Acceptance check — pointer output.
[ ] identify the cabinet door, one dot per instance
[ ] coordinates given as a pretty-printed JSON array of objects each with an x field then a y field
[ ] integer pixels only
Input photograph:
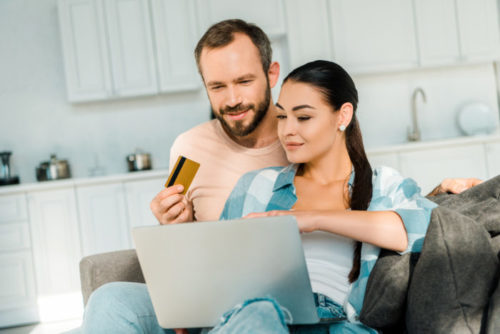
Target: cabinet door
[
  {"x": 56, "y": 241},
  {"x": 139, "y": 196},
  {"x": 267, "y": 14},
  {"x": 131, "y": 47},
  {"x": 384, "y": 159},
  {"x": 437, "y": 31},
  {"x": 17, "y": 289},
  {"x": 479, "y": 32},
  {"x": 429, "y": 167},
  {"x": 13, "y": 208},
  {"x": 308, "y": 31},
  {"x": 370, "y": 36},
  {"x": 103, "y": 218},
  {"x": 176, "y": 35},
  {"x": 84, "y": 49},
  {"x": 493, "y": 158}
]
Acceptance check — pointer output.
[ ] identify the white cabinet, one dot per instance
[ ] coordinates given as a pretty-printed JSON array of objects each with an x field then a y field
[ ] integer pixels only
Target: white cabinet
[
  {"x": 437, "y": 32},
  {"x": 102, "y": 218},
  {"x": 86, "y": 58},
  {"x": 139, "y": 196},
  {"x": 308, "y": 31},
  {"x": 493, "y": 158},
  {"x": 267, "y": 14},
  {"x": 131, "y": 47},
  {"x": 384, "y": 159},
  {"x": 56, "y": 240},
  {"x": 18, "y": 302},
  {"x": 107, "y": 48},
  {"x": 370, "y": 36},
  {"x": 176, "y": 35},
  {"x": 430, "y": 166},
  {"x": 479, "y": 30}
]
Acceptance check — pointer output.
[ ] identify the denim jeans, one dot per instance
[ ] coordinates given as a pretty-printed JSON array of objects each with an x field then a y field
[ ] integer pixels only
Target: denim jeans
[{"x": 124, "y": 307}]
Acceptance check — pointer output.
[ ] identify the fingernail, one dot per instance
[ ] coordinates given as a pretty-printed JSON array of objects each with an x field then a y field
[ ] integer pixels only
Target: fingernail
[{"x": 180, "y": 187}]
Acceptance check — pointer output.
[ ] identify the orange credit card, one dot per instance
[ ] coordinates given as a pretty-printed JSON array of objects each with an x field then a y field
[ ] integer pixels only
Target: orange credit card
[{"x": 183, "y": 173}]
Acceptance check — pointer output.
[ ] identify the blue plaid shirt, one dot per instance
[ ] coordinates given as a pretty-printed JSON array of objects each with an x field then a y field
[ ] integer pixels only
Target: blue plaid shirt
[{"x": 273, "y": 189}]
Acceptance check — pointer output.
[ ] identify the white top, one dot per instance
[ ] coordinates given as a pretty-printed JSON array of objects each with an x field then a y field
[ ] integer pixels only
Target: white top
[{"x": 329, "y": 261}]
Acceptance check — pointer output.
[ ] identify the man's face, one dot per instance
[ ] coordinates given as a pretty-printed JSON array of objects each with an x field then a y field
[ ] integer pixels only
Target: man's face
[{"x": 237, "y": 87}]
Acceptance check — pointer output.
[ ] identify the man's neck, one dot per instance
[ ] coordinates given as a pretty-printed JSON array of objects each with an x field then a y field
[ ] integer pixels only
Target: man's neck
[{"x": 264, "y": 135}]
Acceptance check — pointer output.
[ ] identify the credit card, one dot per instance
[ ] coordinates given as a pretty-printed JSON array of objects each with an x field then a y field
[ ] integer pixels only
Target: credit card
[{"x": 183, "y": 173}]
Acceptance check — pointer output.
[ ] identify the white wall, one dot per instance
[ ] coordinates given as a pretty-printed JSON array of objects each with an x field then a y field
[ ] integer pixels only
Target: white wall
[{"x": 385, "y": 101}]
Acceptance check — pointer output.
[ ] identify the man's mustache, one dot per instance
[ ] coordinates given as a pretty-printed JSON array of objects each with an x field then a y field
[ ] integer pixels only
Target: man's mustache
[{"x": 237, "y": 108}]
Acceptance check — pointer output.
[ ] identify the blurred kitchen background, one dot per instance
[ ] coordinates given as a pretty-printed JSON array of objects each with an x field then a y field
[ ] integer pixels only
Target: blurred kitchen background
[{"x": 92, "y": 81}]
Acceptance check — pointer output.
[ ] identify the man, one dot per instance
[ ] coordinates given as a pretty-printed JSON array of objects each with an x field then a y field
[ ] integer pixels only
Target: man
[{"x": 234, "y": 60}]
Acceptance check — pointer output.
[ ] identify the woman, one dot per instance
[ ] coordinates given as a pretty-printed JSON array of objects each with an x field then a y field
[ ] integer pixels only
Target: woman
[{"x": 318, "y": 128}]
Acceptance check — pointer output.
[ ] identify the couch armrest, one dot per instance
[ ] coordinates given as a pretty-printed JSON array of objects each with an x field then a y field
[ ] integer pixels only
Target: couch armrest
[{"x": 99, "y": 269}]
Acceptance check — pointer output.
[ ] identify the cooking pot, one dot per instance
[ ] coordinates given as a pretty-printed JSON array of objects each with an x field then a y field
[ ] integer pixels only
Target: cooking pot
[
  {"x": 138, "y": 161},
  {"x": 53, "y": 169}
]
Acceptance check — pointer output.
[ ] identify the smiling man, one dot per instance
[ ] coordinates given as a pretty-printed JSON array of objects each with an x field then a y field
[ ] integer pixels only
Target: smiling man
[{"x": 234, "y": 59}]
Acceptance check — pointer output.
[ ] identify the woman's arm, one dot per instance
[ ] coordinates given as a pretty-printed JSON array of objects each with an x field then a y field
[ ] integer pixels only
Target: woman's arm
[{"x": 384, "y": 229}]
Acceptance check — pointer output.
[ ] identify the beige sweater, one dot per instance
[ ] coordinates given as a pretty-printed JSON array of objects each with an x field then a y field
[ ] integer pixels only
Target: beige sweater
[{"x": 222, "y": 163}]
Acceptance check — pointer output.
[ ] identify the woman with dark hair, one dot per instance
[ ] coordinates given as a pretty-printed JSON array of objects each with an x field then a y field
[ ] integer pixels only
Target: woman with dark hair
[{"x": 345, "y": 210}]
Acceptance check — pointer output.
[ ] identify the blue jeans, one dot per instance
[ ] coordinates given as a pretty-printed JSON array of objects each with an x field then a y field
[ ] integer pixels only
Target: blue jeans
[{"x": 124, "y": 307}]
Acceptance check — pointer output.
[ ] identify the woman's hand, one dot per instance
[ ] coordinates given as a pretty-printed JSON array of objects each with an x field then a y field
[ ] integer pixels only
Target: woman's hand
[{"x": 304, "y": 220}]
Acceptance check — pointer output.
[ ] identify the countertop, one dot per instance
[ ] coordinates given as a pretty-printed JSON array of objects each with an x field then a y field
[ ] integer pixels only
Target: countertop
[
  {"x": 144, "y": 175},
  {"x": 65, "y": 183}
]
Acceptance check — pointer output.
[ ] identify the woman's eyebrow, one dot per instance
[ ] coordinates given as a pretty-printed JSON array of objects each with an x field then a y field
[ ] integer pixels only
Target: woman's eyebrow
[{"x": 302, "y": 106}]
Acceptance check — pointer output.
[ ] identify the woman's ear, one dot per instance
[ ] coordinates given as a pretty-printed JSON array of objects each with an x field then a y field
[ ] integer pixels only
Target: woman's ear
[
  {"x": 273, "y": 73},
  {"x": 345, "y": 114}
]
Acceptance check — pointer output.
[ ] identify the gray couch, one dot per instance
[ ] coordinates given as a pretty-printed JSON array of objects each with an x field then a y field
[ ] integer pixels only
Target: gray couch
[{"x": 459, "y": 267}]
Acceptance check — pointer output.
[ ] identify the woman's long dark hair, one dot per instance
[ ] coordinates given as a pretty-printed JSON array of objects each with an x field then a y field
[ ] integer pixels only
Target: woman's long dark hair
[{"x": 338, "y": 88}]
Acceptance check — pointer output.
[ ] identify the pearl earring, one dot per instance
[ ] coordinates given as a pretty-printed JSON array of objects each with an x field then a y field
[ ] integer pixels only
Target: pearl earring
[{"x": 342, "y": 127}]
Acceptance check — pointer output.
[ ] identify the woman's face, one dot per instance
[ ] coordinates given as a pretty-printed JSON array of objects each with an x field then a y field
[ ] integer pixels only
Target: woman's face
[{"x": 307, "y": 125}]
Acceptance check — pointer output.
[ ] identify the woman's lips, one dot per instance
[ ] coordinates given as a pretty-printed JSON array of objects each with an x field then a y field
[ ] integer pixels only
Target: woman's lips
[
  {"x": 237, "y": 116},
  {"x": 293, "y": 146}
]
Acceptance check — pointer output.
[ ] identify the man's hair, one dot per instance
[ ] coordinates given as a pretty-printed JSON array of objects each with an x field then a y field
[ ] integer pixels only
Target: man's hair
[{"x": 222, "y": 33}]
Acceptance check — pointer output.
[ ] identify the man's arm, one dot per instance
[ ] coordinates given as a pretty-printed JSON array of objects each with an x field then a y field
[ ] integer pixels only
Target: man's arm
[{"x": 454, "y": 186}]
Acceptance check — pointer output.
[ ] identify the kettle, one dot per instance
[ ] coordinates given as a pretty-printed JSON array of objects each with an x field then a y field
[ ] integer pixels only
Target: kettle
[
  {"x": 5, "y": 178},
  {"x": 53, "y": 169}
]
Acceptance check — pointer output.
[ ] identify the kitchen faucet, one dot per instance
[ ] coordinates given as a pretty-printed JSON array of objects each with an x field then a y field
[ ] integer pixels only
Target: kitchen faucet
[{"x": 414, "y": 131}]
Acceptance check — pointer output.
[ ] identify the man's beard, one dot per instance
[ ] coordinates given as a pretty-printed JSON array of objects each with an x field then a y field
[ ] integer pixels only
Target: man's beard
[{"x": 238, "y": 129}]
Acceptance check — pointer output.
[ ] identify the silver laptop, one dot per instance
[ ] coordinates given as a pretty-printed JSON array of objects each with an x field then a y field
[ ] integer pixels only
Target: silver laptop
[{"x": 196, "y": 272}]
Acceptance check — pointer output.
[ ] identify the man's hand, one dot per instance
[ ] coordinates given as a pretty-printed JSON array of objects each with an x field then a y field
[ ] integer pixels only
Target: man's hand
[
  {"x": 455, "y": 186},
  {"x": 171, "y": 207}
]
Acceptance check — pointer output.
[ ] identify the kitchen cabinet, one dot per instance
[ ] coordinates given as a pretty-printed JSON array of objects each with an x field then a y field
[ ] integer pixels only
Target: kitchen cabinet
[
  {"x": 131, "y": 47},
  {"x": 56, "y": 250},
  {"x": 18, "y": 302},
  {"x": 176, "y": 35},
  {"x": 479, "y": 30},
  {"x": 267, "y": 14},
  {"x": 123, "y": 48},
  {"x": 429, "y": 167},
  {"x": 493, "y": 158},
  {"x": 384, "y": 159},
  {"x": 85, "y": 51},
  {"x": 139, "y": 196},
  {"x": 457, "y": 31},
  {"x": 102, "y": 218},
  {"x": 308, "y": 31},
  {"x": 437, "y": 33},
  {"x": 371, "y": 36},
  {"x": 107, "y": 48}
]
